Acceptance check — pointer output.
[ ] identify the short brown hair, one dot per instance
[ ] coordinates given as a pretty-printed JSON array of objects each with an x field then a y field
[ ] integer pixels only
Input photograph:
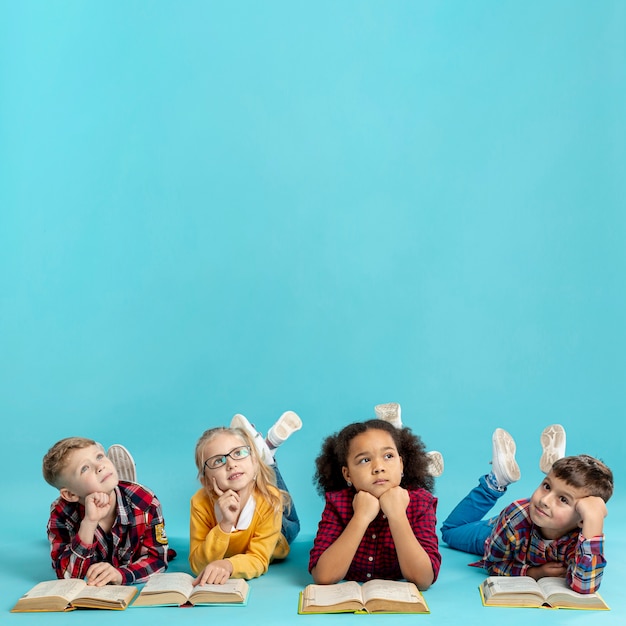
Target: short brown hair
[
  {"x": 55, "y": 460},
  {"x": 585, "y": 472}
]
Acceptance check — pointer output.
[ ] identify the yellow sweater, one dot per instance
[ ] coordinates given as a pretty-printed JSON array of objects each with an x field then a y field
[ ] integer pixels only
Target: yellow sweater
[{"x": 250, "y": 551}]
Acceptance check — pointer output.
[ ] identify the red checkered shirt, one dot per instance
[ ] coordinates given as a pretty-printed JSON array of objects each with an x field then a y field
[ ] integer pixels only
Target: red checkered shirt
[
  {"x": 376, "y": 555},
  {"x": 136, "y": 545}
]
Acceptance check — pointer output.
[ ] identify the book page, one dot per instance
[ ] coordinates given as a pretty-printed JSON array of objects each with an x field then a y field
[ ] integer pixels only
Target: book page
[
  {"x": 329, "y": 595},
  {"x": 109, "y": 593},
  {"x": 552, "y": 585},
  {"x": 64, "y": 588},
  {"x": 232, "y": 585},
  {"x": 512, "y": 584},
  {"x": 174, "y": 581},
  {"x": 394, "y": 591}
]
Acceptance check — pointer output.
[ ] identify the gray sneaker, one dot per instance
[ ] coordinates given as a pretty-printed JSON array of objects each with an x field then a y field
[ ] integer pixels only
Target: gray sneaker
[
  {"x": 435, "y": 463},
  {"x": 389, "y": 412},
  {"x": 124, "y": 463}
]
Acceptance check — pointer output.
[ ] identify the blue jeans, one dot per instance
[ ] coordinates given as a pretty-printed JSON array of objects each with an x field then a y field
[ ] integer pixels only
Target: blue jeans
[
  {"x": 291, "y": 523},
  {"x": 465, "y": 529}
]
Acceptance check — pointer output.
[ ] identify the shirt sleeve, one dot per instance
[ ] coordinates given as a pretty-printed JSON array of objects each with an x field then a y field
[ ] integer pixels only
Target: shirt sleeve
[
  {"x": 584, "y": 575},
  {"x": 505, "y": 544},
  {"x": 330, "y": 527},
  {"x": 207, "y": 542},
  {"x": 150, "y": 546},
  {"x": 423, "y": 521},
  {"x": 70, "y": 557}
]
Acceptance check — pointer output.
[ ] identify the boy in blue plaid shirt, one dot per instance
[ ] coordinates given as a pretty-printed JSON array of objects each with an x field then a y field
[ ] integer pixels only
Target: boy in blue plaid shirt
[{"x": 558, "y": 531}]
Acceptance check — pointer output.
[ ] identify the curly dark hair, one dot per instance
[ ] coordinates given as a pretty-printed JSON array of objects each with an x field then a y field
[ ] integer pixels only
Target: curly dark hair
[{"x": 334, "y": 454}]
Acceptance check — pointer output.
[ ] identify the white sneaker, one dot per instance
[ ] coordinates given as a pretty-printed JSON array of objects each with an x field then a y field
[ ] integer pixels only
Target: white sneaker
[
  {"x": 504, "y": 467},
  {"x": 553, "y": 446},
  {"x": 287, "y": 424},
  {"x": 389, "y": 412},
  {"x": 263, "y": 450},
  {"x": 435, "y": 463},
  {"x": 124, "y": 463}
]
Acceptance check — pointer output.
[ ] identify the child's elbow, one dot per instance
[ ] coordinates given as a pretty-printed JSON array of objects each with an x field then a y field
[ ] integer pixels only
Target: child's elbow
[
  {"x": 422, "y": 580},
  {"x": 321, "y": 578}
]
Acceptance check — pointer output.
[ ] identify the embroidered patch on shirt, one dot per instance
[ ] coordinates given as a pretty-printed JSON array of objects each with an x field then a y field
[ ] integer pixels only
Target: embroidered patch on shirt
[{"x": 159, "y": 534}]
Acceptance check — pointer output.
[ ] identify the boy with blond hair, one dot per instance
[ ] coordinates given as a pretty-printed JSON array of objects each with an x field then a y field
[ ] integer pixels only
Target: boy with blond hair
[{"x": 101, "y": 528}]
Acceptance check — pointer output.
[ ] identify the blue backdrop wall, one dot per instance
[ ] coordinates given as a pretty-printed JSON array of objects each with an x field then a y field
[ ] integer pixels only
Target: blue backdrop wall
[{"x": 210, "y": 208}]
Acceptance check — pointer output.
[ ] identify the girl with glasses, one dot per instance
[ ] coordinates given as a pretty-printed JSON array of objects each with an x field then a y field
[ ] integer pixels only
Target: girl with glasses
[{"x": 242, "y": 518}]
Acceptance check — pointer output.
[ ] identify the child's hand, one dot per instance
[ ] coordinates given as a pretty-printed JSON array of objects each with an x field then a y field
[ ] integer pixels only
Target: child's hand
[
  {"x": 97, "y": 506},
  {"x": 100, "y": 574},
  {"x": 365, "y": 505},
  {"x": 216, "y": 573},
  {"x": 229, "y": 503},
  {"x": 547, "y": 569},
  {"x": 394, "y": 502},
  {"x": 592, "y": 511}
]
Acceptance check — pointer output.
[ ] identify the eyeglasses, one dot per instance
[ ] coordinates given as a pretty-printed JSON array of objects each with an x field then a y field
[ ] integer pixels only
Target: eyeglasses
[{"x": 236, "y": 454}]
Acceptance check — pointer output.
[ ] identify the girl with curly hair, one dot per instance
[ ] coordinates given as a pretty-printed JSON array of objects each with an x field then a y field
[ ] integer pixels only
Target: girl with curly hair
[{"x": 379, "y": 519}]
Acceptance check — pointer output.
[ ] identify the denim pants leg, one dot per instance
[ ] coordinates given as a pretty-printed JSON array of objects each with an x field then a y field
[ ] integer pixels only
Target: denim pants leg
[
  {"x": 465, "y": 529},
  {"x": 291, "y": 523}
]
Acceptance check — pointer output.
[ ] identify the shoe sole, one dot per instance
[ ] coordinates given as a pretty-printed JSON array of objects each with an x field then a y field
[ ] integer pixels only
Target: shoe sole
[
  {"x": 553, "y": 446},
  {"x": 505, "y": 444},
  {"x": 287, "y": 424},
  {"x": 124, "y": 463},
  {"x": 435, "y": 463},
  {"x": 388, "y": 411}
]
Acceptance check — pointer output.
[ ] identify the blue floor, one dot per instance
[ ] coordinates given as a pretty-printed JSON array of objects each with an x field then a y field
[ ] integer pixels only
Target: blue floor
[{"x": 454, "y": 598}]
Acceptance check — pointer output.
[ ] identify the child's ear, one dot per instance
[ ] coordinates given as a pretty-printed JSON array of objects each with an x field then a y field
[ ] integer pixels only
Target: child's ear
[
  {"x": 346, "y": 474},
  {"x": 66, "y": 494}
]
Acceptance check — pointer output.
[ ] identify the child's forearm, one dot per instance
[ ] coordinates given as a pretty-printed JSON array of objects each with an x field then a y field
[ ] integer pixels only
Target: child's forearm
[
  {"x": 140, "y": 570},
  {"x": 414, "y": 561},
  {"x": 87, "y": 531},
  {"x": 211, "y": 548},
  {"x": 335, "y": 561},
  {"x": 593, "y": 526}
]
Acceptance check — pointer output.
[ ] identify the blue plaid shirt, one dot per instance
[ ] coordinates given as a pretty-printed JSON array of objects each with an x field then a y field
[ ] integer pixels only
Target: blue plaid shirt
[{"x": 516, "y": 544}]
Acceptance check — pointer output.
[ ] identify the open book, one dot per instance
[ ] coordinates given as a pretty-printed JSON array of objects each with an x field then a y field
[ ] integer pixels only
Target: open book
[
  {"x": 176, "y": 589},
  {"x": 524, "y": 591},
  {"x": 73, "y": 593},
  {"x": 374, "y": 596}
]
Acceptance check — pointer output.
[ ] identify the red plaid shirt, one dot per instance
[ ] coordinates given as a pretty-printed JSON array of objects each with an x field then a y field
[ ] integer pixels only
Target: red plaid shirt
[
  {"x": 136, "y": 545},
  {"x": 376, "y": 555}
]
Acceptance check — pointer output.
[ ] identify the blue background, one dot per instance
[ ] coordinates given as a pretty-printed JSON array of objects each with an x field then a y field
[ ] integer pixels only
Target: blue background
[{"x": 209, "y": 208}]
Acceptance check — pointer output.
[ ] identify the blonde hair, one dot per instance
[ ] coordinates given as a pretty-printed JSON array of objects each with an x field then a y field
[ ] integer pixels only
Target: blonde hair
[
  {"x": 55, "y": 460},
  {"x": 264, "y": 479}
]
